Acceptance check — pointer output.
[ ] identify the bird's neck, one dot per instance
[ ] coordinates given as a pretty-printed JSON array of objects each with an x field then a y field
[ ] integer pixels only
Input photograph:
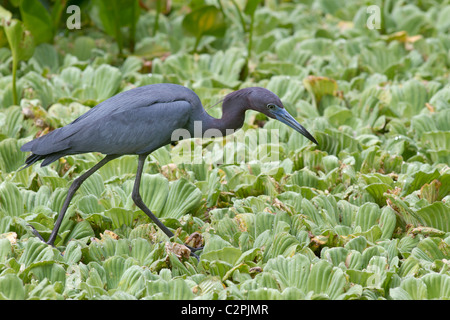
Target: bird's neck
[{"x": 233, "y": 116}]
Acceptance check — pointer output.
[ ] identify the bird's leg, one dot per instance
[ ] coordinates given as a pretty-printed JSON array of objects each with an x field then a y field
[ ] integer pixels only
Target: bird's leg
[
  {"x": 136, "y": 196},
  {"x": 72, "y": 189},
  {"x": 141, "y": 205}
]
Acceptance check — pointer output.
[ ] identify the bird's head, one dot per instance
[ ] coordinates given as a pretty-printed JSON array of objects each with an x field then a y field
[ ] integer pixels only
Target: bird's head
[{"x": 267, "y": 102}]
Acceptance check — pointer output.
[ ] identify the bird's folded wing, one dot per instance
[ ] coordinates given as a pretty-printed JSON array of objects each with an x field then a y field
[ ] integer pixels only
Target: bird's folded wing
[{"x": 136, "y": 131}]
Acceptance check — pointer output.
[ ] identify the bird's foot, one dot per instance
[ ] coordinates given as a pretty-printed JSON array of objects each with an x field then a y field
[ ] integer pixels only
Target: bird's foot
[
  {"x": 36, "y": 233},
  {"x": 194, "y": 249},
  {"x": 195, "y": 256},
  {"x": 51, "y": 243}
]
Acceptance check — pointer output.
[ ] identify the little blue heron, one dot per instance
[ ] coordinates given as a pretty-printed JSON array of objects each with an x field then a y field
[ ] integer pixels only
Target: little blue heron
[{"x": 141, "y": 120}]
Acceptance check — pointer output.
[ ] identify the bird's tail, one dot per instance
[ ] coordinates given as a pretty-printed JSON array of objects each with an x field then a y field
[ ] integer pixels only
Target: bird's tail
[
  {"x": 32, "y": 158},
  {"x": 49, "y": 152},
  {"x": 48, "y": 158}
]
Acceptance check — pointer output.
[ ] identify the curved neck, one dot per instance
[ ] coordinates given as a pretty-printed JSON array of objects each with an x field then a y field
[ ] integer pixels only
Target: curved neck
[{"x": 233, "y": 115}]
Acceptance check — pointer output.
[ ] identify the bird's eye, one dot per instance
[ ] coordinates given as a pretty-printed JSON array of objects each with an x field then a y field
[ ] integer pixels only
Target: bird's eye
[{"x": 271, "y": 106}]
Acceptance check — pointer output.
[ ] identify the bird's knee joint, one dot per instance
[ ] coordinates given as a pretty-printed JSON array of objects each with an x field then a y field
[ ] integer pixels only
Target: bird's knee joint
[
  {"x": 76, "y": 184},
  {"x": 136, "y": 197}
]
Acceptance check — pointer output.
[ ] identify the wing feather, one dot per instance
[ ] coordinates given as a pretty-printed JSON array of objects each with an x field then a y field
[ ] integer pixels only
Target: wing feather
[{"x": 134, "y": 121}]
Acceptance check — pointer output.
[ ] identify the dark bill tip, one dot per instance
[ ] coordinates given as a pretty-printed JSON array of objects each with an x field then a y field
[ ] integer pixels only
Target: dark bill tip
[{"x": 284, "y": 116}]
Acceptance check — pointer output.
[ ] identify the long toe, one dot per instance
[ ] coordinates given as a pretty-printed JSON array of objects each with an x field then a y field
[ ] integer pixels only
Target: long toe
[
  {"x": 194, "y": 249},
  {"x": 36, "y": 233},
  {"x": 196, "y": 256}
]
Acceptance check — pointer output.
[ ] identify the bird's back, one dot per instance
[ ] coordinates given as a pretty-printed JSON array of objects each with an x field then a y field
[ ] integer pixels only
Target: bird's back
[
  {"x": 120, "y": 124},
  {"x": 141, "y": 97}
]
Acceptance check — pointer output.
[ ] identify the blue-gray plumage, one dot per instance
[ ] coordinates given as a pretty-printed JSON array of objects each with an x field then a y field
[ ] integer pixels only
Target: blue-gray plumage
[{"x": 141, "y": 120}]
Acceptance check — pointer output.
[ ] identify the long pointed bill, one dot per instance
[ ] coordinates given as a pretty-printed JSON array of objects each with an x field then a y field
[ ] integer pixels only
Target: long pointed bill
[{"x": 284, "y": 116}]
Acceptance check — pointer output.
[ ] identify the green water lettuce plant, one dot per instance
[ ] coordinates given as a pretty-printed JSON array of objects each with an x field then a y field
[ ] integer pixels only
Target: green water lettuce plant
[
  {"x": 205, "y": 20},
  {"x": 116, "y": 16},
  {"x": 21, "y": 44},
  {"x": 38, "y": 20}
]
